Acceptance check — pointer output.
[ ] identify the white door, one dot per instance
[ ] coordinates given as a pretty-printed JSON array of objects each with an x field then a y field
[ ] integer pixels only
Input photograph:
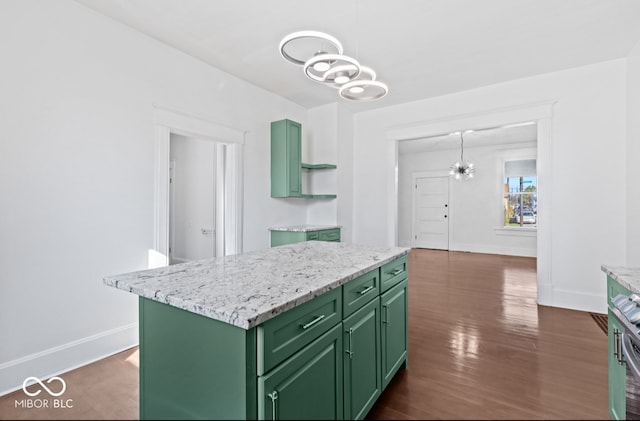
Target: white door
[{"x": 431, "y": 217}]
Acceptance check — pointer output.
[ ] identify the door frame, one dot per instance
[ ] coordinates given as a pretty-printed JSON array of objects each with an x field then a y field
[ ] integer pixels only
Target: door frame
[
  {"x": 414, "y": 199},
  {"x": 231, "y": 142},
  {"x": 542, "y": 113}
]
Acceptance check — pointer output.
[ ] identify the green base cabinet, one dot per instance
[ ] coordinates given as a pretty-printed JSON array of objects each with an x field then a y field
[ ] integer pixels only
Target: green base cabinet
[
  {"x": 328, "y": 358},
  {"x": 394, "y": 306},
  {"x": 280, "y": 238},
  {"x": 194, "y": 367},
  {"x": 617, "y": 371},
  {"x": 362, "y": 380},
  {"x": 308, "y": 383}
]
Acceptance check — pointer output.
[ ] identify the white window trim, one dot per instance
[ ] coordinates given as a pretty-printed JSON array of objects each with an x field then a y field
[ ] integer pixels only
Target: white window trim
[{"x": 517, "y": 231}]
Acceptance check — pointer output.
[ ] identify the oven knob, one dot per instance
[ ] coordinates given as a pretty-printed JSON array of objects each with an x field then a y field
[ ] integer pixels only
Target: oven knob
[
  {"x": 619, "y": 300},
  {"x": 635, "y": 298},
  {"x": 627, "y": 307},
  {"x": 634, "y": 316}
]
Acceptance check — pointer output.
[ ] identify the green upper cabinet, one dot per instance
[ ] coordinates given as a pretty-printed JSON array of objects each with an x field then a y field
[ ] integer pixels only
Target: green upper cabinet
[
  {"x": 286, "y": 159},
  {"x": 286, "y": 162}
]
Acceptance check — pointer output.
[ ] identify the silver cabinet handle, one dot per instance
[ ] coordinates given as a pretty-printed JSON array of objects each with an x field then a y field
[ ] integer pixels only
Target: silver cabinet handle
[
  {"x": 395, "y": 272},
  {"x": 312, "y": 322},
  {"x": 616, "y": 352},
  {"x": 350, "y": 351},
  {"x": 274, "y": 402},
  {"x": 367, "y": 289},
  {"x": 385, "y": 314}
]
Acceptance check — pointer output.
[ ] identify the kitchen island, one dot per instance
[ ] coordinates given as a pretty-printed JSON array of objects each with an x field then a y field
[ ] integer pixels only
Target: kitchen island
[{"x": 303, "y": 331}]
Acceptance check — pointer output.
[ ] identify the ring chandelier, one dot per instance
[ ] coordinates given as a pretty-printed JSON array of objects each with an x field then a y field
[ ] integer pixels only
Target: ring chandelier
[{"x": 322, "y": 58}]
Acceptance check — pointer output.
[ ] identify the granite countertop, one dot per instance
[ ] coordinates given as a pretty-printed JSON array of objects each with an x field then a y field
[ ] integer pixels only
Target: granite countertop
[
  {"x": 247, "y": 289},
  {"x": 628, "y": 277},
  {"x": 304, "y": 228}
]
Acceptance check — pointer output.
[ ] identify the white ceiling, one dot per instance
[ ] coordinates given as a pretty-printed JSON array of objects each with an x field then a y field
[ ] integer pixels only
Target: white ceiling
[{"x": 420, "y": 48}]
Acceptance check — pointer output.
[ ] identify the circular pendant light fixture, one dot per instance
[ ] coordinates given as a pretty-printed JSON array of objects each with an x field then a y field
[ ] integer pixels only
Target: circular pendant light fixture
[
  {"x": 298, "y": 46},
  {"x": 339, "y": 63},
  {"x": 322, "y": 58},
  {"x": 364, "y": 88}
]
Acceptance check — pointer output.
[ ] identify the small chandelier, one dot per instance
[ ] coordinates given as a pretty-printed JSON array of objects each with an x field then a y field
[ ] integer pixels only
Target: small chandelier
[{"x": 461, "y": 169}]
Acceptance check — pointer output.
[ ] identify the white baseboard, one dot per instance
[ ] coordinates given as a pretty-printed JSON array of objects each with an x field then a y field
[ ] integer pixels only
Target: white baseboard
[
  {"x": 545, "y": 294},
  {"x": 579, "y": 301},
  {"x": 507, "y": 251},
  {"x": 63, "y": 358}
]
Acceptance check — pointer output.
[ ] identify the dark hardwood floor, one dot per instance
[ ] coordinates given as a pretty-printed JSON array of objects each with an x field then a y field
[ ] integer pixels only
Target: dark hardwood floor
[{"x": 479, "y": 348}]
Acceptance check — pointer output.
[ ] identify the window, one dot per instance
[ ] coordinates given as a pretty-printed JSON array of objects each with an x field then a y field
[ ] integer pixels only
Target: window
[{"x": 520, "y": 201}]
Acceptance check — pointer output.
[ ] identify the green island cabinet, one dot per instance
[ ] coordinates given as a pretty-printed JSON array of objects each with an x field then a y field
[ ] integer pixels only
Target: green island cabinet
[
  {"x": 282, "y": 237},
  {"x": 328, "y": 358},
  {"x": 286, "y": 162},
  {"x": 617, "y": 370}
]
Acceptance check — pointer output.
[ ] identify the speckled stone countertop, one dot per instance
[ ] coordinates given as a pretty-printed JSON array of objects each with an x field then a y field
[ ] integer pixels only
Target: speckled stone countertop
[
  {"x": 628, "y": 277},
  {"x": 247, "y": 289},
  {"x": 304, "y": 228}
]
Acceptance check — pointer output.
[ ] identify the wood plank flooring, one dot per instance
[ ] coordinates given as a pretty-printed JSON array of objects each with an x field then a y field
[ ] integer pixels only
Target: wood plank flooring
[{"x": 479, "y": 348}]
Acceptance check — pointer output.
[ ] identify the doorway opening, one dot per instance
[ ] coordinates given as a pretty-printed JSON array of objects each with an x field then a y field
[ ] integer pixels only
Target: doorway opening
[
  {"x": 541, "y": 114},
  {"x": 194, "y": 201},
  {"x": 198, "y": 195}
]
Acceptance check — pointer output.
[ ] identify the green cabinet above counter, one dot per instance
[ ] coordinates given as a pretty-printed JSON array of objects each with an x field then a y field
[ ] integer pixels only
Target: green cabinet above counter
[{"x": 286, "y": 162}]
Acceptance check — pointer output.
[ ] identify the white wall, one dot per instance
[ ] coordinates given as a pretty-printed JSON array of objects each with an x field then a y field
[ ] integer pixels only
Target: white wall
[
  {"x": 344, "y": 189},
  {"x": 633, "y": 156},
  {"x": 475, "y": 206},
  {"x": 193, "y": 197},
  {"x": 322, "y": 148},
  {"x": 77, "y": 175},
  {"x": 587, "y": 148}
]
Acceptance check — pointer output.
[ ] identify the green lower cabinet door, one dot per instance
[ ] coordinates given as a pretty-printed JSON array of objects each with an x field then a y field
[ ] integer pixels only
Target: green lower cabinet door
[
  {"x": 617, "y": 371},
  {"x": 307, "y": 385},
  {"x": 362, "y": 377},
  {"x": 394, "y": 330}
]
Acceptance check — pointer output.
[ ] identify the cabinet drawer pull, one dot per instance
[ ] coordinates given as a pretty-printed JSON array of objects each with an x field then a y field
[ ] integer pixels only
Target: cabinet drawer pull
[
  {"x": 395, "y": 272},
  {"x": 367, "y": 289},
  {"x": 385, "y": 314},
  {"x": 313, "y": 322},
  {"x": 274, "y": 401}
]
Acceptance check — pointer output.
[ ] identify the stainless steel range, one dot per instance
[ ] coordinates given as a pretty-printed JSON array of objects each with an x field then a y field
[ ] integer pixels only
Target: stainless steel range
[{"x": 627, "y": 348}]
